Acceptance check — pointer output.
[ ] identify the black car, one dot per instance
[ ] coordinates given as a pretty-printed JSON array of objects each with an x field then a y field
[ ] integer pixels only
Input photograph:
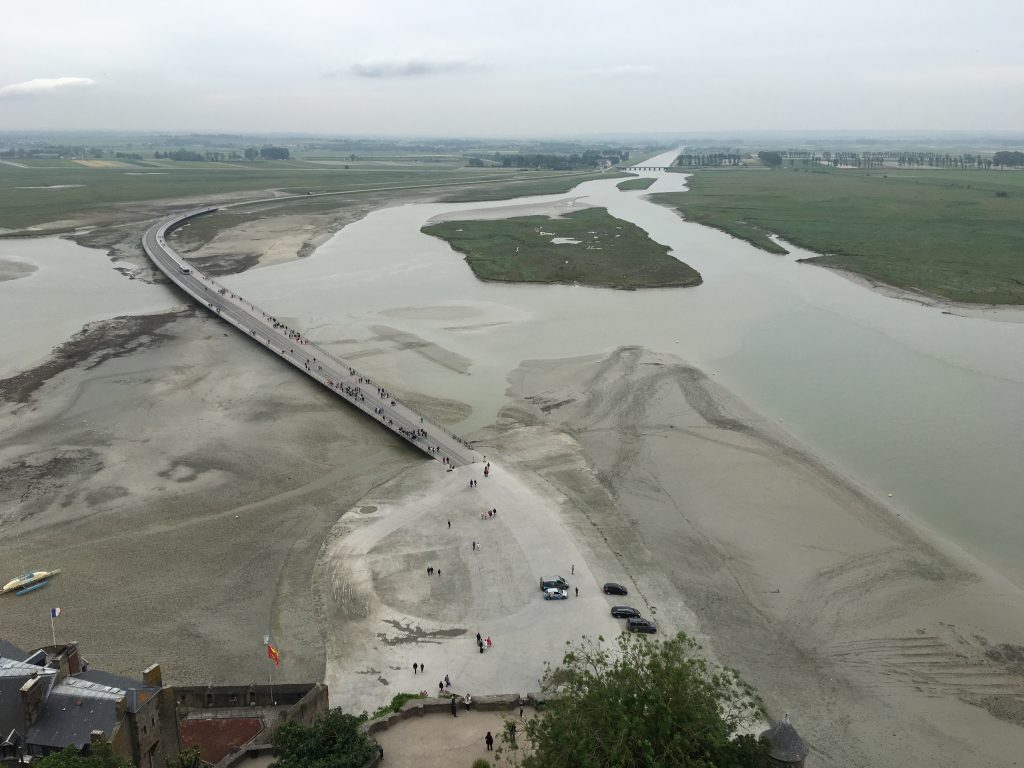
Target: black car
[
  {"x": 624, "y": 612},
  {"x": 611, "y": 588},
  {"x": 638, "y": 624}
]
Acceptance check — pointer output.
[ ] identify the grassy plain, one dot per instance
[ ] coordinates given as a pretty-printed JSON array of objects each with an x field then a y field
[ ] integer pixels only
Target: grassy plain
[
  {"x": 954, "y": 234},
  {"x": 611, "y": 253},
  {"x": 549, "y": 185},
  {"x": 635, "y": 184},
  {"x": 47, "y": 191}
]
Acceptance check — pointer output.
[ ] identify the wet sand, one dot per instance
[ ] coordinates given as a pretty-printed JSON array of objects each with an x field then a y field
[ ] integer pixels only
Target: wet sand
[
  {"x": 886, "y": 646},
  {"x": 12, "y": 270},
  {"x": 198, "y": 494},
  {"x": 184, "y": 481}
]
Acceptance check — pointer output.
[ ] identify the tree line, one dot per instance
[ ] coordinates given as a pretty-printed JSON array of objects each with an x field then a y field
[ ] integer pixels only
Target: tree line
[
  {"x": 590, "y": 158},
  {"x": 851, "y": 159},
  {"x": 709, "y": 159},
  {"x": 904, "y": 159},
  {"x": 252, "y": 153}
]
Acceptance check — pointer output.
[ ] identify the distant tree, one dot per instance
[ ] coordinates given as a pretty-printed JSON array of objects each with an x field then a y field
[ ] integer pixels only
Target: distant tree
[
  {"x": 1011, "y": 159},
  {"x": 101, "y": 756},
  {"x": 333, "y": 741},
  {"x": 770, "y": 158},
  {"x": 644, "y": 704},
  {"x": 476, "y": 162},
  {"x": 274, "y": 153}
]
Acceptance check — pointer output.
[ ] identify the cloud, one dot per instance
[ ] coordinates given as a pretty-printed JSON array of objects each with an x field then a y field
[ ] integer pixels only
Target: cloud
[
  {"x": 627, "y": 69},
  {"x": 415, "y": 67},
  {"x": 43, "y": 85}
]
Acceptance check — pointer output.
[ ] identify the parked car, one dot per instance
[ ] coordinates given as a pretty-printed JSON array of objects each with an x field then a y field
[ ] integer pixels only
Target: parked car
[
  {"x": 640, "y": 624},
  {"x": 554, "y": 593},
  {"x": 624, "y": 612},
  {"x": 611, "y": 588},
  {"x": 547, "y": 582}
]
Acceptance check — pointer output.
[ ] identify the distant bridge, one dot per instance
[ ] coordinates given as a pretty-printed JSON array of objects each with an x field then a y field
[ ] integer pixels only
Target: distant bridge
[
  {"x": 293, "y": 347},
  {"x": 648, "y": 168}
]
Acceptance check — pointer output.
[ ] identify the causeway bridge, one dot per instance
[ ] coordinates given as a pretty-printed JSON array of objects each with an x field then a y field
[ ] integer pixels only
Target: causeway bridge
[
  {"x": 648, "y": 168},
  {"x": 342, "y": 379}
]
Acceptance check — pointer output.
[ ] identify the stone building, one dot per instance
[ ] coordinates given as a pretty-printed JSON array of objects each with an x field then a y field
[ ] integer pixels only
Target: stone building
[{"x": 50, "y": 699}]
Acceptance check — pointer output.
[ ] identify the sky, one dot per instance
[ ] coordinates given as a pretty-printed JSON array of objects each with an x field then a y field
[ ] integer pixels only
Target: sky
[{"x": 522, "y": 68}]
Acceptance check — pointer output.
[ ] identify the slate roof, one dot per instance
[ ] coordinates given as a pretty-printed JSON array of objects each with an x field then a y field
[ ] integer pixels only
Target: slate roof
[
  {"x": 13, "y": 675},
  {"x": 73, "y": 708},
  {"x": 68, "y": 718},
  {"x": 136, "y": 692},
  {"x": 11, "y": 651}
]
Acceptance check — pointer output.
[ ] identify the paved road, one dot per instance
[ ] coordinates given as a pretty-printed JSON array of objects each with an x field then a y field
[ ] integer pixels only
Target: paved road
[{"x": 288, "y": 343}]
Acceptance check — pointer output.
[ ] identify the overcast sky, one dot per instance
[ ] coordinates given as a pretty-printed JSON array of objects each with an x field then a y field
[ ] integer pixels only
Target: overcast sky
[{"x": 516, "y": 67}]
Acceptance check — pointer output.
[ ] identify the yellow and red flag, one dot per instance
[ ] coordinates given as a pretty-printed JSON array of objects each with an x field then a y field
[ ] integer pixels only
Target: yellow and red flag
[{"x": 273, "y": 654}]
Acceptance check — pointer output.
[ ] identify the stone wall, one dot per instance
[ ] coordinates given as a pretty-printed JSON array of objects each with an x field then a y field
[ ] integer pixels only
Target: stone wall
[
  {"x": 223, "y": 696},
  {"x": 420, "y": 707}
]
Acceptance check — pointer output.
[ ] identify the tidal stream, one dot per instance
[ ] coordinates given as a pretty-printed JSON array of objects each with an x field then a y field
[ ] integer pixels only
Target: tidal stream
[{"x": 906, "y": 399}]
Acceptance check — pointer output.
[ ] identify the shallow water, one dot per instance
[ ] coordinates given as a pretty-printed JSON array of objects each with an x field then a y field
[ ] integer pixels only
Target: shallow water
[
  {"x": 70, "y": 287},
  {"x": 908, "y": 400}
]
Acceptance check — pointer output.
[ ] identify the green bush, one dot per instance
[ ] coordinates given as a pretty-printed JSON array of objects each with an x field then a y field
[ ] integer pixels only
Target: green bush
[{"x": 396, "y": 704}]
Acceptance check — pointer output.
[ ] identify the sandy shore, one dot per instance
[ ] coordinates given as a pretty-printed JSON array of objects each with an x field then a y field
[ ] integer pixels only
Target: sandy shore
[
  {"x": 1003, "y": 313},
  {"x": 184, "y": 480},
  {"x": 198, "y": 494},
  {"x": 885, "y": 646},
  {"x": 187, "y": 484}
]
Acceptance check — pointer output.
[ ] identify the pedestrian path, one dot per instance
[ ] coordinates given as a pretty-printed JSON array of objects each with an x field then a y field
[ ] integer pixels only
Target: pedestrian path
[
  {"x": 441, "y": 741},
  {"x": 340, "y": 377}
]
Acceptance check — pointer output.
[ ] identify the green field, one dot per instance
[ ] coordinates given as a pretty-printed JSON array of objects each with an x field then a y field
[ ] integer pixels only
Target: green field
[
  {"x": 52, "y": 190},
  {"x": 950, "y": 233},
  {"x": 611, "y": 253},
  {"x": 635, "y": 184},
  {"x": 551, "y": 185}
]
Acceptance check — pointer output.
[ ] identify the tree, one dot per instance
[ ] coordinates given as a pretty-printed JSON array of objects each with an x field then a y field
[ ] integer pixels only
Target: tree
[
  {"x": 333, "y": 741},
  {"x": 274, "y": 153},
  {"x": 643, "y": 704},
  {"x": 770, "y": 158},
  {"x": 187, "y": 758},
  {"x": 101, "y": 756}
]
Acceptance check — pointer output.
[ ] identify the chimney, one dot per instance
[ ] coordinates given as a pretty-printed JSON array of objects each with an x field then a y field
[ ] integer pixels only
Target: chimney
[
  {"x": 32, "y": 698},
  {"x": 151, "y": 676},
  {"x": 96, "y": 738},
  {"x": 120, "y": 707},
  {"x": 74, "y": 658}
]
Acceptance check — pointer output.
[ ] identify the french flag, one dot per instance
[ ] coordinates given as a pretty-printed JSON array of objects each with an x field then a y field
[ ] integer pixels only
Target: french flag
[{"x": 54, "y": 613}]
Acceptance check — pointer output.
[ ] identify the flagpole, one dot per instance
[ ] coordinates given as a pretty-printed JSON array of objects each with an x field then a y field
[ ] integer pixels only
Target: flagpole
[{"x": 53, "y": 629}]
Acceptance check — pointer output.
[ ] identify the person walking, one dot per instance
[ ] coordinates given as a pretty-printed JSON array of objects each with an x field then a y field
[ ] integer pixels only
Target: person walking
[
  {"x": 447, "y": 682},
  {"x": 455, "y": 709},
  {"x": 422, "y": 668},
  {"x": 449, "y": 525},
  {"x": 577, "y": 591},
  {"x": 489, "y": 741},
  {"x": 415, "y": 667},
  {"x": 440, "y": 687}
]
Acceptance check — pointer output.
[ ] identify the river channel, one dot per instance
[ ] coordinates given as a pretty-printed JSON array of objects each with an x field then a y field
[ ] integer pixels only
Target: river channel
[{"x": 906, "y": 399}]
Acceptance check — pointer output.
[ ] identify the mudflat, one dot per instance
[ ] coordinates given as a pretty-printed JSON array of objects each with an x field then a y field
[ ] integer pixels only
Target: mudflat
[{"x": 184, "y": 481}]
